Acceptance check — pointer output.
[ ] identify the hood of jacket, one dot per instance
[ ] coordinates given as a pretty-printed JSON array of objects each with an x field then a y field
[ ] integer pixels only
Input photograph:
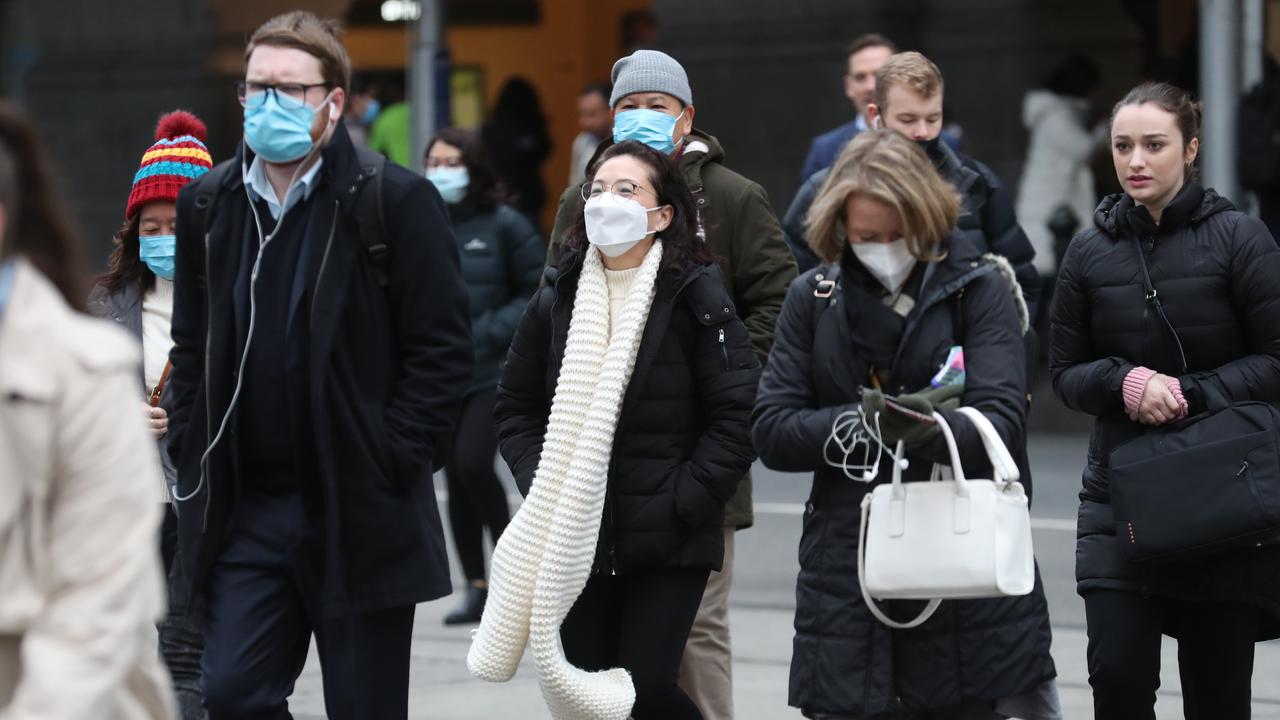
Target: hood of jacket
[
  {"x": 1040, "y": 103},
  {"x": 1118, "y": 216}
]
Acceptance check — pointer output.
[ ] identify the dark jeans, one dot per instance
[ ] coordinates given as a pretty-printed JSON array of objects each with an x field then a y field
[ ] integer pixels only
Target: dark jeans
[
  {"x": 638, "y": 621},
  {"x": 263, "y": 604},
  {"x": 181, "y": 636},
  {"x": 1215, "y": 655},
  {"x": 476, "y": 497}
]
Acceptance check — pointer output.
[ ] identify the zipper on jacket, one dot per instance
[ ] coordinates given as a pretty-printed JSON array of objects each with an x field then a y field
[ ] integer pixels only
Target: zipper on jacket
[{"x": 724, "y": 353}]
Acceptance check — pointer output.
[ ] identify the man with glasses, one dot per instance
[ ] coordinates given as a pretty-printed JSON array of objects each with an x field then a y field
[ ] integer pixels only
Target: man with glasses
[
  {"x": 321, "y": 348},
  {"x": 652, "y": 103}
]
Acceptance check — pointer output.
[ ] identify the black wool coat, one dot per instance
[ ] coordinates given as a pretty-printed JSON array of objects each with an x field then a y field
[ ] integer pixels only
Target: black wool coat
[
  {"x": 1217, "y": 272},
  {"x": 844, "y": 661},
  {"x": 384, "y": 373},
  {"x": 683, "y": 441}
]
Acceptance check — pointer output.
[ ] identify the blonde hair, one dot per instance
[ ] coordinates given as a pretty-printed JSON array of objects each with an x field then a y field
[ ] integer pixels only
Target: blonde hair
[
  {"x": 884, "y": 165},
  {"x": 909, "y": 69},
  {"x": 312, "y": 34}
]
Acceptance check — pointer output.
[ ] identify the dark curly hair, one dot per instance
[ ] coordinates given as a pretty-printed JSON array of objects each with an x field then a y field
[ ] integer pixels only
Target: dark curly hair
[
  {"x": 35, "y": 222},
  {"x": 681, "y": 246}
]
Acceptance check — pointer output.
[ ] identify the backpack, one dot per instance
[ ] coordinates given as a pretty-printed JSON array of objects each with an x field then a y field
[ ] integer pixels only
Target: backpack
[
  {"x": 367, "y": 207},
  {"x": 1258, "y": 137}
]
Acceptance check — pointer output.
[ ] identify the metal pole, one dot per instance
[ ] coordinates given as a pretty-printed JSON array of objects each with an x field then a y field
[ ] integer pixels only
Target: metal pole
[
  {"x": 422, "y": 78},
  {"x": 1251, "y": 53},
  {"x": 1253, "y": 47},
  {"x": 1220, "y": 90}
]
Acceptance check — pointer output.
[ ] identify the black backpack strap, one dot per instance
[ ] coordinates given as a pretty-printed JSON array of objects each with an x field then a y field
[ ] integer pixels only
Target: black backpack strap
[
  {"x": 368, "y": 213},
  {"x": 826, "y": 290},
  {"x": 207, "y": 193}
]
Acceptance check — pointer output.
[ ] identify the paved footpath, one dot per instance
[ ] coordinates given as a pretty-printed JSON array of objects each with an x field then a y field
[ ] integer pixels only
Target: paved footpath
[
  {"x": 763, "y": 605},
  {"x": 441, "y": 688}
]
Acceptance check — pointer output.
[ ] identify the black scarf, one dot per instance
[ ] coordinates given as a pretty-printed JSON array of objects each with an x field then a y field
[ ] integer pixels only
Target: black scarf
[{"x": 875, "y": 329}]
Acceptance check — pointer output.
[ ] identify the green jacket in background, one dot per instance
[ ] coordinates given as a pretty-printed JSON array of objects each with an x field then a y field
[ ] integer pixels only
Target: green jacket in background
[
  {"x": 735, "y": 218},
  {"x": 390, "y": 135}
]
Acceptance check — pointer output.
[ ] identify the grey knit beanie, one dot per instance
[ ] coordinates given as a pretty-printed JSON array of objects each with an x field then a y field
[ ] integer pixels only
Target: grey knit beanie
[{"x": 650, "y": 71}]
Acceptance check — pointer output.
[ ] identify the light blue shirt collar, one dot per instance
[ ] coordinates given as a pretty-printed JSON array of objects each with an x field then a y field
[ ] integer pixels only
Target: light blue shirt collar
[
  {"x": 860, "y": 123},
  {"x": 260, "y": 188}
]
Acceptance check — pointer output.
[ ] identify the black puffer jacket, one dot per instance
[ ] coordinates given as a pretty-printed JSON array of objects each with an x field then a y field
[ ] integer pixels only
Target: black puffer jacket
[
  {"x": 501, "y": 255},
  {"x": 1218, "y": 275},
  {"x": 844, "y": 660},
  {"x": 683, "y": 440}
]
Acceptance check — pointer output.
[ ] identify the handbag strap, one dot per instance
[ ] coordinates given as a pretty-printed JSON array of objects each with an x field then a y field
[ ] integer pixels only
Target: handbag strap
[
  {"x": 1153, "y": 299},
  {"x": 154, "y": 398},
  {"x": 879, "y": 614},
  {"x": 1002, "y": 462}
]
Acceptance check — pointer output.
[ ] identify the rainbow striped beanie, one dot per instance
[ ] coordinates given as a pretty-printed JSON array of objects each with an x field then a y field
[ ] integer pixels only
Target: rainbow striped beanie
[{"x": 178, "y": 156}]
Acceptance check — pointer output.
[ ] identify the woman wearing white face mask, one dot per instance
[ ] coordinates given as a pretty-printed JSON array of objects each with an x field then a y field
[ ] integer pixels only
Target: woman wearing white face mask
[
  {"x": 902, "y": 306},
  {"x": 623, "y": 412},
  {"x": 501, "y": 255}
]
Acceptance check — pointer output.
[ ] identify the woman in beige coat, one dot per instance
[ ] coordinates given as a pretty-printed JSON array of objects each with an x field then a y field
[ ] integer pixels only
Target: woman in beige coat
[{"x": 80, "y": 575}]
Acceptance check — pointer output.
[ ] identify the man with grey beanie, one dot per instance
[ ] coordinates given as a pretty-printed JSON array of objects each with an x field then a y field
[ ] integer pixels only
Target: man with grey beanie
[{"x": 652, "y": 103}]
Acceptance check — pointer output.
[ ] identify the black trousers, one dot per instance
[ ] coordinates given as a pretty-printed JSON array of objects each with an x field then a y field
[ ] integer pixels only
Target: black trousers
[
  {"x": 262, "y": 605},
  {"x": 476, "y": 497},
  {"x": 638, "y": 621},
  {"x": 1215, "y": 655},
  {"x": 181, "y": 637}
]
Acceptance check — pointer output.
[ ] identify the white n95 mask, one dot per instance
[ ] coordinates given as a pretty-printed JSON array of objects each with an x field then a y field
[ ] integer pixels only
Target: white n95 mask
[
  {"x": 616, "y": 224},
  {"x": 889, "y": 263}
]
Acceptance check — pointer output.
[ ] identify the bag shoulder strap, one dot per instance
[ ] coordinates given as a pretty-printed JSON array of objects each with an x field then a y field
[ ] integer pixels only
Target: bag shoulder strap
[
  {"x": 879, "y": 614},
  {"x": 369, "y": 216},
  {"x": 1153, "y": 299},
  {"x": 154, "y": 398}
]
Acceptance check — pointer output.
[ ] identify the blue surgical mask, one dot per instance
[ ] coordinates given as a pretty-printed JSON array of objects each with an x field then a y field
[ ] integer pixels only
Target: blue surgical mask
[
  {"x": 157, "y": 252},
  {"x": 452, "y": 183},
  {"x": 279, "y": 132},
  {"x": 650, "y": 127},
  {"x": 370, "y": 112}
]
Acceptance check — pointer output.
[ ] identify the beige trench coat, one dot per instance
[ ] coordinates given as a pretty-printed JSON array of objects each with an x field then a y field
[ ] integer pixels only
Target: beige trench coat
[{"x": 80, "y": 576}]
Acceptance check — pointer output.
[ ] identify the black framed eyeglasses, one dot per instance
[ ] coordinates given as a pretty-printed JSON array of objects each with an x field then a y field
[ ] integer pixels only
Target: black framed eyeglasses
[{"x": 290, "y": 95}]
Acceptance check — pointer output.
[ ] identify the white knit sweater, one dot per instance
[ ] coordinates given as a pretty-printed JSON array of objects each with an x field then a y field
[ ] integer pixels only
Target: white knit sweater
[
  {"x": 544, "y": 557},
  {"x": 618, "y": 282}
]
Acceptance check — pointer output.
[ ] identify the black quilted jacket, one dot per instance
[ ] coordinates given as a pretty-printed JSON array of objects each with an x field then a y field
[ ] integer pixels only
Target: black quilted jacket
[{"x": 1217, "y": 271}]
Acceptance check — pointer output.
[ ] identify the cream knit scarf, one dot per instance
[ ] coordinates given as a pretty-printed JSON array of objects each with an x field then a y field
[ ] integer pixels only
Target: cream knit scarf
[{"x": 544, "y": 557}]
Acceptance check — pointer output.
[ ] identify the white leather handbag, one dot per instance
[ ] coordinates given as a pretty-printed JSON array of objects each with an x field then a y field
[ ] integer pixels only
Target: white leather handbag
[{"x": 947, "y": 539}]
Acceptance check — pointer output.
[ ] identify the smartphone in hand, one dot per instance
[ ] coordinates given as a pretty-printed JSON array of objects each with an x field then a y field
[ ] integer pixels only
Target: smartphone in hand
[{"x": 892, "y": 404}]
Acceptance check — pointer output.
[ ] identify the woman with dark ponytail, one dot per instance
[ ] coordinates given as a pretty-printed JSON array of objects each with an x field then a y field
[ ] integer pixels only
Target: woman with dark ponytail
[{"x": 1214, "y": 269}]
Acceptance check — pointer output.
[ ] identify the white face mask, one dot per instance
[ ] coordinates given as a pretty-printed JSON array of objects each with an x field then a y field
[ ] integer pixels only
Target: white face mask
[
  {"x": 890, "y": 263},
  {"x": 615, "y": 225}
]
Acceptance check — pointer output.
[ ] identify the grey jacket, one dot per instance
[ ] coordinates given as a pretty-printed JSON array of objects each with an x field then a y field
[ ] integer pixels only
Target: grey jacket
[{"x": 124, "y": 307}]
